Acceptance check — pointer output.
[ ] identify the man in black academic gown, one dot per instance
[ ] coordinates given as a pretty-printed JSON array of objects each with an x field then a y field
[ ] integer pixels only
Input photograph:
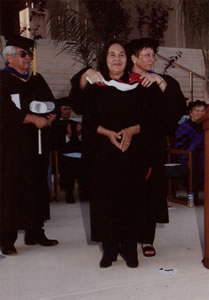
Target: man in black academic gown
[{"x": 24, "y": 193}]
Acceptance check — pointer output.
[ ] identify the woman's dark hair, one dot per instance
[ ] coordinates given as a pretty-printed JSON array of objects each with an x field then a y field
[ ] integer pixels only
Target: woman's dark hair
[
  {"x": 135, "y": 46},
  {"x": 102, "y": 65}
]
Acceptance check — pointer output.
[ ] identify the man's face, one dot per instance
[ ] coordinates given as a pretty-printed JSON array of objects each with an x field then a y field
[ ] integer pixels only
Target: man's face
[
  {"x": 65, "y": 112},
  {"x": 21, "y": 61}
]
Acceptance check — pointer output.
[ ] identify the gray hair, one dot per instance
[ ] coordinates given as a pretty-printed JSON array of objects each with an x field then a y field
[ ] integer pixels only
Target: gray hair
[{"x": 8, "y": 50}]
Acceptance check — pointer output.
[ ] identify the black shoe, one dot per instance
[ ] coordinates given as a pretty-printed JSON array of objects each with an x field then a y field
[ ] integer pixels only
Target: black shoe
[
  {"x": 129, "y": 253},
  {"x": 44, "y": 241},
  {"x": 131, "y": 262},
  {"x": 105, "y": 262},
  {"x": 69, "y": 198},
  {"x": 8, "y": 250},
  {"x": 40, "y": 239},
  {"x": 110, "y": 250}
]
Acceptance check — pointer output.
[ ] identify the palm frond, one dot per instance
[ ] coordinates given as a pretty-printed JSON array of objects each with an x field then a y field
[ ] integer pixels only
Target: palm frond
[{"x": 83, "y": 34}]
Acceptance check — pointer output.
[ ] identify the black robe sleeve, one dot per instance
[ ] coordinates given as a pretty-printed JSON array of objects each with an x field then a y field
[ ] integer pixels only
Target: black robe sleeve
[
  {"x": 173, "y": 105},
  {"x": 76, "y": 94}
]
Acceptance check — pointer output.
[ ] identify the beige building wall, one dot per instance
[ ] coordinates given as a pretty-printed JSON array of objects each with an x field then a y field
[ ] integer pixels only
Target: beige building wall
[{"x": 173, "y": 37}]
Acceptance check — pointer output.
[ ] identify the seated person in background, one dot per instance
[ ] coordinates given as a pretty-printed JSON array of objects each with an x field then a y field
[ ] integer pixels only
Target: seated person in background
[
  {"x": 190, "y": 136},
  {"x": 63, "y": 113},
  {"x": 70, "y": 162}
]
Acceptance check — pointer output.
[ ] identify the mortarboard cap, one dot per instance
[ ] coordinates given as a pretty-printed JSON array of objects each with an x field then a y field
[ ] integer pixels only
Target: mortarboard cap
[
  {"x": 64, "y": 101},
  {"x": 20, "y": 42}
]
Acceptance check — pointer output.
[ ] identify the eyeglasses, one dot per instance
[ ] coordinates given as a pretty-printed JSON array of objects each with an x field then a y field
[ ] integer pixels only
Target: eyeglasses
[{"x": 24, "y": 53}]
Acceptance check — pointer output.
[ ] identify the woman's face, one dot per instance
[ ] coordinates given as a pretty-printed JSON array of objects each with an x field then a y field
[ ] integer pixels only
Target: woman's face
[
  {"x": 144, "y": 61},
  {"x": 69, "y": 130},
  {"x": 78, "y": 128},
  {"x": 116, "y": 60},
  {"x": 197, "y": 112}
]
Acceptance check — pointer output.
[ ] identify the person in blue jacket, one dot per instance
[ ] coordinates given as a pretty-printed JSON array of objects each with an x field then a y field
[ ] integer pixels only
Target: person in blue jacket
[{"x": 190, "y": 136}]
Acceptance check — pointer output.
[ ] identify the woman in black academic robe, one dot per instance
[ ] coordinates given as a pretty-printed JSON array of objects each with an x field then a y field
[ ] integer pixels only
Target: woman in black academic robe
[
  {"x": 162, "y": 109},
  {"x": 117, "y": 157}
]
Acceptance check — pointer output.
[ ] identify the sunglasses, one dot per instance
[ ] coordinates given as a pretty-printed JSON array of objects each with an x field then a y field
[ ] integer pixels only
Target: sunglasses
[{"x": 24, "y": 53}]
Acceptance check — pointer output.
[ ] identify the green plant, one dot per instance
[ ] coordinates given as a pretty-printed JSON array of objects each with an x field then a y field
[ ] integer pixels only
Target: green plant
[
  {"x": 153, "y": 18},
  {"x": 82, "y": 33}
]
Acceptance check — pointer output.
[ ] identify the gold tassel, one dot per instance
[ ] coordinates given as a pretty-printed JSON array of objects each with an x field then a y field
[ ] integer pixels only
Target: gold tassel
[{"x": 34, "y": 61}]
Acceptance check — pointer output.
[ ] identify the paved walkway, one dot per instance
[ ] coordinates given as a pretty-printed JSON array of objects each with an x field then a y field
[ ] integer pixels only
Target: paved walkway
[{"x": 70, "y": 271}]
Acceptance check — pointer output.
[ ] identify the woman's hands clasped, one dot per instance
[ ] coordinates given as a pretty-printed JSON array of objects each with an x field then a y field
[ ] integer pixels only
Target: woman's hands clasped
[{"x": 122, "y": 139}]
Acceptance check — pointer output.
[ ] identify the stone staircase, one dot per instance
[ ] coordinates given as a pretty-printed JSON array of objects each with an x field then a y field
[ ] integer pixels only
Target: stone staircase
[{"x": 58, "y": 67}]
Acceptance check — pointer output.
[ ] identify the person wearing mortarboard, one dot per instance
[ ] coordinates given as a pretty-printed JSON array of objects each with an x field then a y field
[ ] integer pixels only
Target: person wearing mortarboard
[
  {"x": 63, "y": 114},
  {"x": 24, "y": 193},
  {"x": 64, "y": 108}
]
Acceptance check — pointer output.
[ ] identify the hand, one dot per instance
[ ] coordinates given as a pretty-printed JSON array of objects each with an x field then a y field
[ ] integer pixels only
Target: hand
[
  {"x": 127, "y": 134},
  {"x": 121, "y": 139},
  {"x": 92, "y": 76},
  {"x": 50, "y": 118},
  {"x": 115, "y": 138},
  {"x": 40, "y": 122},
  {"x": 149, "y": 78}
]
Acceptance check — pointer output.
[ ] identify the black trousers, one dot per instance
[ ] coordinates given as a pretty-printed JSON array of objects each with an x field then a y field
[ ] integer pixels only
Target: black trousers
[
  {"x": 71, "y": 169},
  {"x": 9, "y": 236}
]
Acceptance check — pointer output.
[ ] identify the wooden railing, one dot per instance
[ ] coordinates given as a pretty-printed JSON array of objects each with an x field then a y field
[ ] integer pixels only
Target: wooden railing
[{"x": 191, "y": 73}]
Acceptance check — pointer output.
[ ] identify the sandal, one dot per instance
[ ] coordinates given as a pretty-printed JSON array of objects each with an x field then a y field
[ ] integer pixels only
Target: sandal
[{"x": 149, "y": 248}]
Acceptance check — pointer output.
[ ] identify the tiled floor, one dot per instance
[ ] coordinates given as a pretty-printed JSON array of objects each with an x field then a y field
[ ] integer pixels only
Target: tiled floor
[{"x": 70, "y": 271}]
